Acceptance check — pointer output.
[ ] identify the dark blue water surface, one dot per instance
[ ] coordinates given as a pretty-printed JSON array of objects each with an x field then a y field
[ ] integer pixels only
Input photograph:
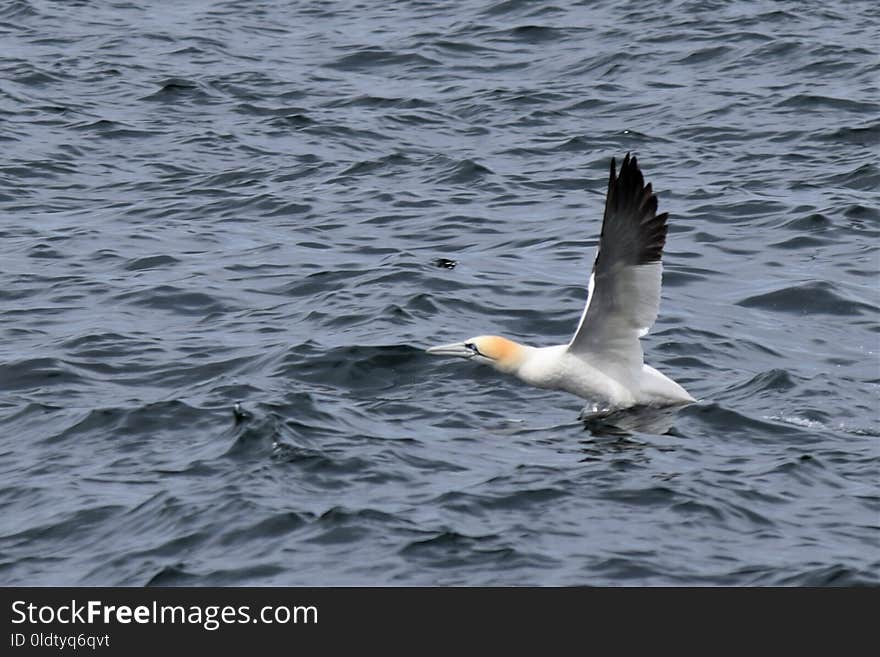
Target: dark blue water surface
[{"x": 204, "y": 203}]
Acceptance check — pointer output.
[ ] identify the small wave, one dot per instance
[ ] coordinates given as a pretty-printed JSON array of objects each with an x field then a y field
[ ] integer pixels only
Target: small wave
[
  {"x": 33, "y": 373},
  {"x": 318, "y": 461},
  {"x": 382, "y": 102},
  {"x": 137, "y": 423},
  {"x": 452, "y": 551},
  {"x": 113, "y": 130},
  {"x": 275, "y": 524},
  {"x": 832, "y": 575},
  {"x": 361, "y": 368},
  {"x": 519, "y": 499},
  {"x": 865, "y": 177},
  {"x": 816, "y": 101},
  {"x": 778, "y": 380},
  {"x": 376, "y": 58},
  {"x": 817, "y": 424},
  {"x": 343, "y": 525},
  {"x": 729, "y": 422},
  {"x": 466, "y": 171},
  {"x": 157, "y": 261},
  {"x": 370, "y": 166},
  {"x": 176, "y": 300},
  {"x": 18, "y": 9},
  {"x": 540, "y": 33},
  {"x": 801, "y": 242},
  {"x": 868, "y": 135},
  {"x": 627, "y": 568},
  {"x": 702, "y": 55},
  {"x": 818, "y": 297},
  {"x": 175, "y": 90}
]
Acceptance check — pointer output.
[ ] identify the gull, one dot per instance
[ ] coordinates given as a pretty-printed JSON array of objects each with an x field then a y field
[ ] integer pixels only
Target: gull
[{"x": 604, "y": 361}]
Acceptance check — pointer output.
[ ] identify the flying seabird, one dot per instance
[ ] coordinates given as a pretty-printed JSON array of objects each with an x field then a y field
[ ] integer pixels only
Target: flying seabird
[{"x": 603, "y": 362}]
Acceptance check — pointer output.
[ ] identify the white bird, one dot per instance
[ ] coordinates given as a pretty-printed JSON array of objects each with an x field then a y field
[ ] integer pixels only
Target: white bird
[{"x": 603, "y": 362}]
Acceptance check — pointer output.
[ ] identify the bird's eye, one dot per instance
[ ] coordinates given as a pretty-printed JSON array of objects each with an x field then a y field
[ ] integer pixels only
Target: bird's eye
[{"x": 472, "y": 347}]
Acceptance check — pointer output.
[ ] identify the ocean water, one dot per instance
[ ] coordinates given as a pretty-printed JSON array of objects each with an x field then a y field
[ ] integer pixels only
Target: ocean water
[{"x": 211, "y": 203}]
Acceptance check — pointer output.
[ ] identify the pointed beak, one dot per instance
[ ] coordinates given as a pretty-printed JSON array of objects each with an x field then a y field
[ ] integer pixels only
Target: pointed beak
[{"x": 454, "y": 349}]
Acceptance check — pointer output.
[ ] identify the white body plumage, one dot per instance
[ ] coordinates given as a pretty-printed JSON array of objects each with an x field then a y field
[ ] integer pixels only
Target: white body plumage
[{"x": 557, "y": 368}]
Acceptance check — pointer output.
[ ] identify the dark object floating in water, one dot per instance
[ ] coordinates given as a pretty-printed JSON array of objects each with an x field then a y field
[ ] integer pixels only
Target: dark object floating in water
[
  {"x": 444, "y": 263},
  {"x": 240, "y": 413}
]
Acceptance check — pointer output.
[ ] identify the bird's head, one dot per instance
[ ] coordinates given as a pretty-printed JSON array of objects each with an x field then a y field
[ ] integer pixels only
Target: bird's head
[{"x": 501, "y": 353}]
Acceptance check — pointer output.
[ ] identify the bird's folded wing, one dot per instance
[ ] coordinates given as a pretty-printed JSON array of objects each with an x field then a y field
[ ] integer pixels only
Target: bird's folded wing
[{"x": 624, "y": 288}]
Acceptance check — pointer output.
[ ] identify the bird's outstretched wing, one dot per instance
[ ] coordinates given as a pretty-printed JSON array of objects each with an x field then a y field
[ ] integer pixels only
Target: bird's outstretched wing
[{"x": 624, "y": 288}]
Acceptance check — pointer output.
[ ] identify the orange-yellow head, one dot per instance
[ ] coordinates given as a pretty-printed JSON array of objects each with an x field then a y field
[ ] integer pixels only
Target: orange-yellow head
[{"x": 503, "y": 354}]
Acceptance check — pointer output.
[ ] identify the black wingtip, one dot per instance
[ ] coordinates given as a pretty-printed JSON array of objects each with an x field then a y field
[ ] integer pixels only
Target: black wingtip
[{"x": 630, "y": 199}]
